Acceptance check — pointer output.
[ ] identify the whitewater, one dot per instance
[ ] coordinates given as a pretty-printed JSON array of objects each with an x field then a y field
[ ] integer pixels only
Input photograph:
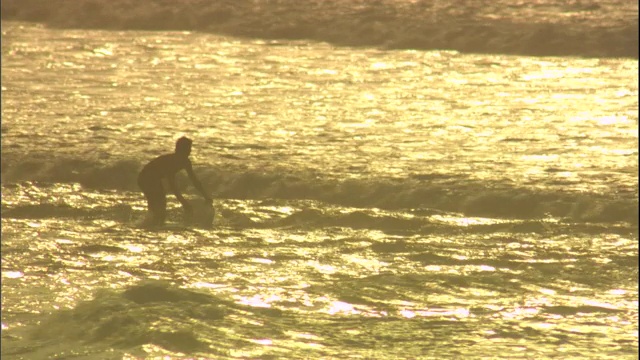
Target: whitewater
[{"x": 370, "y": 203}]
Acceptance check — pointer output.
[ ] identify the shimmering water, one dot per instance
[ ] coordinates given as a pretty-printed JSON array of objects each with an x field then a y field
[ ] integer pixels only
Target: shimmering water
[{"x": 370, "y": 204}]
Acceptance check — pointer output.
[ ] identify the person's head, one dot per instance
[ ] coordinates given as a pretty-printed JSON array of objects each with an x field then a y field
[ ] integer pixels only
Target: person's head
[{"x": 183, "y": 146}]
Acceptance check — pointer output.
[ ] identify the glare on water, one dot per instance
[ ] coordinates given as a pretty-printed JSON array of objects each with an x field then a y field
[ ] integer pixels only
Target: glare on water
[{"x": 353, "y": 215}]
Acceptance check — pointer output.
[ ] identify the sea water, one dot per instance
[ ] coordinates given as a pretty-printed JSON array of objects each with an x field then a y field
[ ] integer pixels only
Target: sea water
[{"x": 369, "y": 203}]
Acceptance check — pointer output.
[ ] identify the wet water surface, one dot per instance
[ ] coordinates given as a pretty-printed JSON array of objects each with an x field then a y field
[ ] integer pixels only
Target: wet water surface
[{"x": 370, "y": 204}]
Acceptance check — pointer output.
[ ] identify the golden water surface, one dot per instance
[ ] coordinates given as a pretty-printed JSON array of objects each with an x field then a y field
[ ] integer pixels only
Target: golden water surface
[{"x": 370, "y": 204}]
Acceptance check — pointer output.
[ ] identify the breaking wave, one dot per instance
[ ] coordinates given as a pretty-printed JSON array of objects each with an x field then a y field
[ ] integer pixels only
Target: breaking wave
[
  {"x": 130, "y": 318},
  {"x": 539, "y": 28},
  {"x": 419, "y": 194}
]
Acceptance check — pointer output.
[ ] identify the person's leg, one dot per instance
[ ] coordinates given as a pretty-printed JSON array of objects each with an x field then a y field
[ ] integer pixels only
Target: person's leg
[{"x": 156, "y": 200}]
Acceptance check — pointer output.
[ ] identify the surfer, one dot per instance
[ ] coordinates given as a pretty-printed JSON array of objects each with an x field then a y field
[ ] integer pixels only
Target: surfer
[{"x": 165, "y": 167}]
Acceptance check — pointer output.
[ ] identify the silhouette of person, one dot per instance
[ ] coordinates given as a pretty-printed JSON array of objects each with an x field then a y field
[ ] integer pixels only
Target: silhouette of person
[{"x": 165, "y": 167}]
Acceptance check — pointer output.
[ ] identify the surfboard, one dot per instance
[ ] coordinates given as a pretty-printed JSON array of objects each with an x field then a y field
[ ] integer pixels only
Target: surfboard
[{"x": 203, "y": 214}]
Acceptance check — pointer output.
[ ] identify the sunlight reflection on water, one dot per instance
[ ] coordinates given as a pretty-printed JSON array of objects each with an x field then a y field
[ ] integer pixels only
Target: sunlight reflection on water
[{"x": 281, "y": 270}]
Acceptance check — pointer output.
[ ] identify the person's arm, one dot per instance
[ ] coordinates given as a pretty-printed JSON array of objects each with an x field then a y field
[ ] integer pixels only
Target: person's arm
[
  {"x": 197, "y": 183},
  {"x": 176, "y": 192}
]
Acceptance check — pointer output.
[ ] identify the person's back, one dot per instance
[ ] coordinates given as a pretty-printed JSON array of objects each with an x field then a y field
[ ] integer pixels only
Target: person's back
[{"x": 165, "y": 167}]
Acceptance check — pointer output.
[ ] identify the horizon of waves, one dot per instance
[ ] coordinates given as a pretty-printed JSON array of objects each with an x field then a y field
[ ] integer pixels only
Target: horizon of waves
[
  {"x": 433, "y": 192},
  {"x": 539, "y": 28}
]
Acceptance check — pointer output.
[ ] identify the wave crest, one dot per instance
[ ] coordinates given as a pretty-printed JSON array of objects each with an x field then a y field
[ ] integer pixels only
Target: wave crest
[
  {"x": 452, "y": 193},
  {"x": 540, "y": 28}
]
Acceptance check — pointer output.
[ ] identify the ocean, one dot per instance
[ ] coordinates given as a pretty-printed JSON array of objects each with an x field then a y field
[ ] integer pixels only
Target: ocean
[{"x": 371, "y": 202}]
